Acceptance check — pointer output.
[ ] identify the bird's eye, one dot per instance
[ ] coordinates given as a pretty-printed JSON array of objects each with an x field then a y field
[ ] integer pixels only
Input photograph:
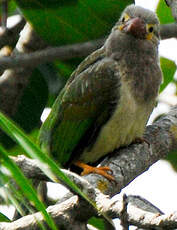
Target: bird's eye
[
  {"x": 125, "y": 18},
  {"x": 151, "y": 29}
]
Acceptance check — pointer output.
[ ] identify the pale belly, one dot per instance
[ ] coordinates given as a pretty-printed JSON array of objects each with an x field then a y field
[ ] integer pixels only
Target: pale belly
[{"x": 126, "y": 124}]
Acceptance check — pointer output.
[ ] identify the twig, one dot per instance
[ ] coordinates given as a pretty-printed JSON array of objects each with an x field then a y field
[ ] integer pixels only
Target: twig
[
  {"x": 69, "y": 215},
  {"x": 143, "y": 204},
  {"x": 51, "y": 54},
  {"x": 64, "y": 215},
  {"x": 68, "y": 51},
  {"x": 123, "y": 214}
]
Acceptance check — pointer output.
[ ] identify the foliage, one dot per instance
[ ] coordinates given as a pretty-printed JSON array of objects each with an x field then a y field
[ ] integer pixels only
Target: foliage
[
  {"x": 168, "y": 68},
  {"x": 58, "y": 22},
  {"x": 164, "y": 13}
]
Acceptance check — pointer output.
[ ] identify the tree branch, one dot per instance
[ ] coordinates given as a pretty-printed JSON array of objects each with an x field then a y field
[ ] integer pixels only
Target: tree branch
[
  {"x": 126, "y": 163},
  {"x": 168, "y": 31},
  {"x": 68, "y": 51},
  {"x": 67, "y": 215},
  {"x": 50, "y": 54},
  {"x": 63, "y": 214}
]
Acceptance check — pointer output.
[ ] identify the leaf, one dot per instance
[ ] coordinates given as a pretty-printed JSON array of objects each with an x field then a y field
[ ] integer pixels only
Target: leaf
[
  {"x": 82, "y": 21},
  {"x": 98, "y": 223},
  {"x": 164, "y": 13},
  {"x": 25, "y": 186},
  {"x": 32, "y": 102},
  {"x": 31, "y": 4},
  {"x": 168, "y": 68},
  {"x": 34, "y": 151},
  {"x": 4, "y": 218},
  {"x": 12, "y": 196},
  {"x": 172, "y": 159},
  {"x": 46, "y": 164},
  {"x": 11, "y": 7},
  {"x": 30, "y": 148}
]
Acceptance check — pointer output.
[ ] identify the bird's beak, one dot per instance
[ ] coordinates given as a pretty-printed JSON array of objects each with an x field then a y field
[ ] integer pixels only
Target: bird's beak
[{"x": 135, "y": 26}]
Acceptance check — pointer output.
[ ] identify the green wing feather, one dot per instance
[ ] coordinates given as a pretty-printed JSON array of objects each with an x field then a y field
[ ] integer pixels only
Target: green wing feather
[{"x": 88, "y": 95}]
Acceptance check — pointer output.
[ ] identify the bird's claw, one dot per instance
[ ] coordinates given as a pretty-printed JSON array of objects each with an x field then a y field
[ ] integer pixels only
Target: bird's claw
[
  {"x": 99, "y": 170},
  {"x": 102, "y": 170}
]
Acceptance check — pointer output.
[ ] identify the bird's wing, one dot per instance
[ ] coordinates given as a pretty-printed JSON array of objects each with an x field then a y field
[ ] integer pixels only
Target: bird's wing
[
  {"x": 82, "y": 107},
  {"x": 90, "y": 60}
]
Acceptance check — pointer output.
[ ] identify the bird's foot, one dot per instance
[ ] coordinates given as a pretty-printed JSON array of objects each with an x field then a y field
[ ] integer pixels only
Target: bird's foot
[
  {"x": 103, "y": 170},
  {"x": 140, "y": 140}
]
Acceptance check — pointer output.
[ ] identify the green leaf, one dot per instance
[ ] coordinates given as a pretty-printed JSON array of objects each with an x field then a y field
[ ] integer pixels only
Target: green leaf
[
  {"x": 30, "y": 148},
  {"x": 4, "y": 218},
  {"x": 98, "y": 223},
  {"x": 172, "y": 159},
  {"x": 46, "y": 164},
  {"x": 82, "y": 21},
  {"x": 32, "y": 102},
  {"x": 11, "y": 7},
  {"x": 168, "y": 68},
  {"x": 164, "y": 13},
  {"x": 12, "y": 195},
  {"x": 25, "y": 186},
  {"x": 31, "y": 4},
  {"x": 9, "y": 193}
]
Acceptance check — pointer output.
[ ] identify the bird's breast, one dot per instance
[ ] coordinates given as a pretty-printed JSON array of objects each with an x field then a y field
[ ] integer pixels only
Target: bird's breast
[{"x": 127, "y": 123}]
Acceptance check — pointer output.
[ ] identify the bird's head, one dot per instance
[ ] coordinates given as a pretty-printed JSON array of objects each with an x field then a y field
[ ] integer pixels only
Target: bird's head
[
  {"x": 139, "y": 22},
  {"x": 136, "y": 25}
]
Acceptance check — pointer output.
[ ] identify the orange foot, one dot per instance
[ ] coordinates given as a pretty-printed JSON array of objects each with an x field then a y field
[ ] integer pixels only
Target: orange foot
[{"x": 100, "y": 170}]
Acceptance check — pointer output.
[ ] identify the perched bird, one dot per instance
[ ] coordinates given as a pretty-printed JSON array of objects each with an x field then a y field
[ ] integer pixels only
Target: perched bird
[{"x": 108, "y": 99}]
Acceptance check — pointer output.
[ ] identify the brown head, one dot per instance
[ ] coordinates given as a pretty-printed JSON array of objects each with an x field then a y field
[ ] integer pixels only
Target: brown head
[
  {"x": 136, "y": 25},
  {"x": 133, "y": 42},
  {"x": 139, "y": 22}
]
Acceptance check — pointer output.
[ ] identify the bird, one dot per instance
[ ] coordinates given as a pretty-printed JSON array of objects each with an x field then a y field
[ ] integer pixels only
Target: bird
[{"x": 108, "y": 99}]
